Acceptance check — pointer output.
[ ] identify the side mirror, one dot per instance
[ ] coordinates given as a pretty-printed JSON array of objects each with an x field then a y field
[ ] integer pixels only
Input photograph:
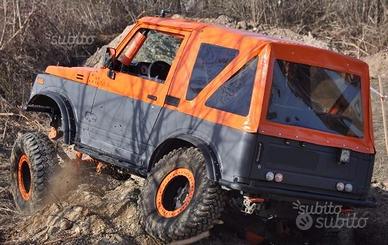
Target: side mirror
[{"x": 109, "y": 56}]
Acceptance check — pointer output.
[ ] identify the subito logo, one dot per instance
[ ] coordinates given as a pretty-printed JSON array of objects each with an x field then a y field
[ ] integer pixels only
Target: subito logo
[{"x": 304, "y": 221}]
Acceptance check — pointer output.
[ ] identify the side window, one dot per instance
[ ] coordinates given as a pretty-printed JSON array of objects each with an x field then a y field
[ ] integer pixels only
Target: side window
[
  {"x": 211, "y": 60},
  {"x": 149, "y": 54},
  {"x": 235, "y": 95}
]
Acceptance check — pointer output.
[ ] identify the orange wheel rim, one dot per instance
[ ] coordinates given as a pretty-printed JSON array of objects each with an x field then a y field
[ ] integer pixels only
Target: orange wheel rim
[
  {"x": 24, "y": 177},
  {"x": 175, "y": 192}
]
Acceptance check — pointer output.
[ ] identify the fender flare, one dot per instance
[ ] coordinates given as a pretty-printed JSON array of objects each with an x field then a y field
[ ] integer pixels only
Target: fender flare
[
  {"x": 213, "y": 168},
  {"x": 212, "y": 163},
  {"x": 65, "y": 108}
]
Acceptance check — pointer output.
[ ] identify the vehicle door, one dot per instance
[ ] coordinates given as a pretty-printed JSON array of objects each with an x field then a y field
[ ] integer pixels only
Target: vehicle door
[{"x": 132, "y": 91}]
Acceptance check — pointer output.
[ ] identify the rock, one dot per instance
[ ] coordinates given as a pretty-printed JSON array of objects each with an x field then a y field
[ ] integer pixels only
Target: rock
[
  {"x": 242, "y": 25},
  {"x": 112, "y": 239},
  {"x": 293, "y": 36},
  {"x": 65, "y": 225},
  {"x": 77, "y": 230},
  {"x": 385, "y": 184},
  {"x": 177, "y": 16},
  {"x": 224, "y": 20},
  {"x": 96, "y": 59},
  {"x": 118, "y": 239},
  {"x": 75, "y": 213},
  {"x": 375, "y": 185},
  {"x": 137, "y": 179},
  {"x": 250, "y": 24},
  {"x": 97, "y": 226},
  {"x": 53, "y": 230}
]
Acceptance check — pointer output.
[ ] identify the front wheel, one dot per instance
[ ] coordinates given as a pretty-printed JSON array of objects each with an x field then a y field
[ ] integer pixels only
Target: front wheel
[
  {"x": 33, "y": 161},
  {"x": 178, "y": 200}
]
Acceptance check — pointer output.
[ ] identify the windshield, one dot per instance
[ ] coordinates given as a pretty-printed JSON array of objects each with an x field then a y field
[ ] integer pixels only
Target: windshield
[{"x": 317, "y": 98}]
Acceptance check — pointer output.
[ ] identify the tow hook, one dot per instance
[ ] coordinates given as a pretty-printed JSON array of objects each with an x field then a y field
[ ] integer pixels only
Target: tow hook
[{"x": 251, "y": 204}]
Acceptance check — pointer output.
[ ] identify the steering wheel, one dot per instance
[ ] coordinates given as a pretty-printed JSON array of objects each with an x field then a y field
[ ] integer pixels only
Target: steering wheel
[{"x": 158, "y": 69}]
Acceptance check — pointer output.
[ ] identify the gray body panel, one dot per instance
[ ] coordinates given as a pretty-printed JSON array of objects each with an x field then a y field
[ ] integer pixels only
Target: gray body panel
[
  {"x": 233, "y": 148},
  {"x": 115, "y": 124},
  {"x": 123, "y": 127},
  {"x": 80, "y": 96},
  {"x": 131, "y": 130}
]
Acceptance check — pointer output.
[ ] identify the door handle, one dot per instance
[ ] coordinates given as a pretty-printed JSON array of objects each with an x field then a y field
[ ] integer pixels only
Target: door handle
[
  {"x": 152, "y": 97},
  {"x": 171, "y": 100}
]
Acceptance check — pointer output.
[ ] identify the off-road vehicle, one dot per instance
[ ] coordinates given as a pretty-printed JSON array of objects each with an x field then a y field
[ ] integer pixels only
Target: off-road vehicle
[{"x": 200, "y": 111}]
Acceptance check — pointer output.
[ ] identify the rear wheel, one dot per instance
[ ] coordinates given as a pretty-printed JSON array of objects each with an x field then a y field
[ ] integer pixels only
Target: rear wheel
[
  {"x": 178, "y": 200},
  {"x": 33, "y": 161}
]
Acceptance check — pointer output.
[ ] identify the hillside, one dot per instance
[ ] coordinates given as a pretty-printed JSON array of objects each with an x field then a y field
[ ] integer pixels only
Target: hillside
[{"x": 93, "y": 207}]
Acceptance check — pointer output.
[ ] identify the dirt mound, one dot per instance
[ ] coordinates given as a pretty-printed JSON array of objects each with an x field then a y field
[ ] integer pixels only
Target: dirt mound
[
  {"x": 270, "y": 31},
  {"x": 99, "y": 209},
  {"x": 96, "y": 60},
  {"x": 291, "y": 35},
  {"x": 87, "y": 208}
]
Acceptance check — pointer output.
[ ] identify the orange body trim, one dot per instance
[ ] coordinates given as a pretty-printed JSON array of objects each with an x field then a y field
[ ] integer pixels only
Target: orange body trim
[
  {"x": 249, "y": 45},
  {"x": 163, "y": 186},
  {"x": 25, "y": 194}
]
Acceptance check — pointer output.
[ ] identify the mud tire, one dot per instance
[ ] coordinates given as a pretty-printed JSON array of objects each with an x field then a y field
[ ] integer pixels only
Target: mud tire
[
  {"x": 204, "y": 207},
  {"x": 33, "y": 161}
]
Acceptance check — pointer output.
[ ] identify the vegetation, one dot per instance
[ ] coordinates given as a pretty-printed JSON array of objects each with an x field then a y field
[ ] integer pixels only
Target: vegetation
[{"x": 34, "y": 33}]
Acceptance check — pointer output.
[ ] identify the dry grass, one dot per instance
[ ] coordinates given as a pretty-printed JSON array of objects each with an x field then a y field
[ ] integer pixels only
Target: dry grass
[{"x": 29, "y": 30}]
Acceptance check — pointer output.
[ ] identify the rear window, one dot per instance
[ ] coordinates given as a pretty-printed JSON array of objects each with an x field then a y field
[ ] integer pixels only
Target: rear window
[
  {"x": 211, "y": 60},
  {"x": 317, "y": 98}
]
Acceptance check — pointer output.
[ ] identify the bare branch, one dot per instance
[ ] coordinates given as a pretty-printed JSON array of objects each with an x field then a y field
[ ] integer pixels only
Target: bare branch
[
  {"x": 18, "y": 14},
  {"x": 4, "y": 22},
  {"x": 18, "y": 31}
]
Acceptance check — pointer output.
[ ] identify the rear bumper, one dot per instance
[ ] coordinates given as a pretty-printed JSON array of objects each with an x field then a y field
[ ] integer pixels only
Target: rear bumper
[
  {"x": 283, "y": 194},
  {"x": 310, "y": 172}
]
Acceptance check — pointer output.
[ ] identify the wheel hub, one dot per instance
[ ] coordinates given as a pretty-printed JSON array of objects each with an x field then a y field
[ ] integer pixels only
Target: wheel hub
[
  {"x": 181, "y": 195},
  {"x": 175, "y": 192}
]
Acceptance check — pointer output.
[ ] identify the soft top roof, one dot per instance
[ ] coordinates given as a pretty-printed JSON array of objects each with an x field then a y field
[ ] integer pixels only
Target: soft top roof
[
  {"x": 215, "y": 29},
  {"x": 189, "y": 24}
]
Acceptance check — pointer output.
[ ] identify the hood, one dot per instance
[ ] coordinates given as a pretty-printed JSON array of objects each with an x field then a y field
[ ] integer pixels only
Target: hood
[{"x": 71, "y": 73}]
